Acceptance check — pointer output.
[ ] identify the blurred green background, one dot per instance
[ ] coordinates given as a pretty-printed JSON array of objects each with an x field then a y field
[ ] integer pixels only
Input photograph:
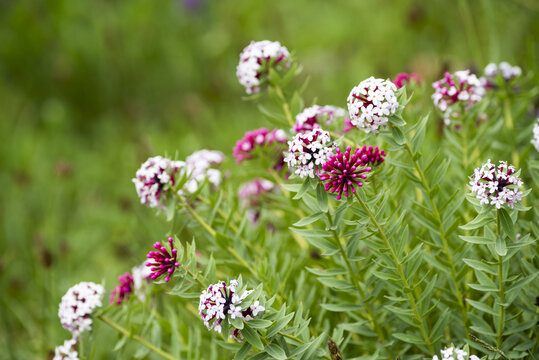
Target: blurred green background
[{"x": 89, "y": 90}]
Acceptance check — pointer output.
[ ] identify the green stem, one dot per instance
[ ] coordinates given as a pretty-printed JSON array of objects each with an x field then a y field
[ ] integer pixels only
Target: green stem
[
  {"x": 400, "y": 270},
  {"x": 447, "y": 251},
  {"x": 346, "y": 140},
  {"x": 137, "y": 338},
  {"x": 285, "y": 106},
  {"x": 355, "y": 281},
  {"x": 501, "y": 291},
  {"x": 197, "y": 217}
]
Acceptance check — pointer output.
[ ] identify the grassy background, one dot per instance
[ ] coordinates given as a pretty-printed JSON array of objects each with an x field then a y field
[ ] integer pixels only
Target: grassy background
[{"x": 89, "y": 90}]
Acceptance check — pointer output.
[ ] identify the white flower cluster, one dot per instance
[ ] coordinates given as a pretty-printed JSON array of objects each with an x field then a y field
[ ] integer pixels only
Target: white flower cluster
[
  {"x": 199, "y": 167},
  {"x": 67, "y": 351},
  {"x": 452, "y": 353},
  {"x": 141, "y": 279},
  {"x": 371, "y": 103},
  {"x": 496, "y": 185},
  {"x": 77, "y": 305},
  {"x": 308, "y": 151},
  {"x": 252, "y": 70},
  {"x": 220, "y": 302},
  {"x": 311, "y": 118},
  {"x": 505, "y": 69},
  {"x": 535, "y": 140},
  {"x": 155, "y": 178},
  {"x": 158, "y": 175}
]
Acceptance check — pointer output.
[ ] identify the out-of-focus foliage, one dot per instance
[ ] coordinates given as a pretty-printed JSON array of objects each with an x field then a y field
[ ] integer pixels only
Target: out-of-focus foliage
[{"x": 89, "y": 90}]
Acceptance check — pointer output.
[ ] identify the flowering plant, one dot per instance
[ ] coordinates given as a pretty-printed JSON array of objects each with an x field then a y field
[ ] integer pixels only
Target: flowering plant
[{"x": 368, "y": 245}]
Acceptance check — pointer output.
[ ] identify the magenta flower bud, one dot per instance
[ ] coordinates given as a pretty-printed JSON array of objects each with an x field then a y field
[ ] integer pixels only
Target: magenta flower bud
[
  {"x": 122, "y": 290},
  {"x": 163, "y": 261},
  {"x": 403, "y": 78},
  {"x": 343, "y": 172}
]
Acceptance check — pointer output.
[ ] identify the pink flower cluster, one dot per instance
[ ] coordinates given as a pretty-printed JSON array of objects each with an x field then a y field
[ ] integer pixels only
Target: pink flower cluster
[
  {"x": 251, "y": 195},
  {"x": 371, "y": 156},
  {"x": 164, "y": 262},
  {"x": 122, "y": 290},
  {"x": 343, "y": 172},
  {"x": 313, "y": 117},
  {"x": 460, "y": 88},
  {"x": 403, "y": 78},
  {"x": 260, "y": 140}
]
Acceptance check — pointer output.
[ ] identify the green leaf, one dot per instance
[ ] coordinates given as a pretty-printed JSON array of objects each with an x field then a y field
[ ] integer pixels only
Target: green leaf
[
  {"x": 341, "y": 307},
  {"x": 397, "y": 120},
  {"x": 411, "y": 339},
  {"x": 259, "y": 323},
  {"x": 478, "y": 240},
  {"x": 322, "y": 197},
  {"x": 479, "y": 221},
  {"x": 501, "y": 248},
  {"x": 309, "y": 219},
  {"x": 242, "y": 353},
  {"x": 478, "y": 265},
  {"x": 251, "y": 336},
  {"x": 310, "y": 233},
  {"x": 482, "y": 307},
  {"x": 279, "y": 325},
  {"x": 306, "y": 186},
  {"x": 507, "y": 223},
  {"x": 222, "y": 240},
  {"x": 275, "y": 351},
  {"x": 419, "y": 135},
  {"x": 397, "y": 135}
]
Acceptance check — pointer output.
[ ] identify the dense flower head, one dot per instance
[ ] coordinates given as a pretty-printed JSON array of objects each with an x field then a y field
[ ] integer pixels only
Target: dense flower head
[
  {"x": 403, "y": 78},
  {"x": 155, "y": 178},
  {"x": 251, "y": 195},
  {"x": 371, "y": 102},
  {"x": 506, "y": 70},
  {"x": 343, "y": 172},
  {"x": 260, "y": 140},
  {"x": 496, "y": 185},
  {"x": 220, "y": 302},
  {"x": 164, "y": 262},
  {"x": 77, "y": 305},
  {"x": 308, "y": 151},
  {"x": 371, "y": 156},
  {"x": 461, "y": 88},
  {"x": 453, "y": 353},
  {"x": 535, "y": 140},
  {"x": 67, "y": 351},
  {"x": 122, "y": 290},
  {"x": 313, "y": 117},
  {"x": 255, "y": 60},
  {"x": 200, "y": 166},
  {"x": 141, "y": 278}
]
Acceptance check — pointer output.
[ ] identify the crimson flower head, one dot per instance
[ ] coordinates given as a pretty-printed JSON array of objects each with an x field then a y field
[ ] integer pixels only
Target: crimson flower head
[
  {"x": 403, "y": 78},
  {"x": 344, "y": 172},
  {"x": 371, "y": 156},
  {"x": 122, "y": 290},
  {"x": 163, "y": 260}
]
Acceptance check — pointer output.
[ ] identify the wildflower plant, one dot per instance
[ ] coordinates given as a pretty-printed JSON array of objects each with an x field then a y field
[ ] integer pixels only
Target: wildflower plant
[{"x": 393, "y": 249}]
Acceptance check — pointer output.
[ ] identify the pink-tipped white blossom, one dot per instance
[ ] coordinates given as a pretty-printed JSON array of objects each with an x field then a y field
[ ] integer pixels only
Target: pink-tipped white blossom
[
  {"x": 343, "y": 172},
  {"x": 496, "y": 185},
  {"x": 535, "y": 140},
  {"x": 77, "y": 305},
  {"x": 261, "y": 142},
  {"x": 67, "y": 351},
  {"x": 404, "y": 78},
  {"x": 252, "y": 194},
  {"x": 255, "y": 62},
  {"x": 456, "y": 92},
  {"x": 220, "y": 302},
  {"x": 308, "y": 151},
  {"x": 315, "y": 116},
  {"x": 163, "y": 262},
  {"x": 201, "y": 165},
  {"x": 371, "y": 103},
  {"x": 155, "y": 178},
  {"x": 453, "y": 353}
]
